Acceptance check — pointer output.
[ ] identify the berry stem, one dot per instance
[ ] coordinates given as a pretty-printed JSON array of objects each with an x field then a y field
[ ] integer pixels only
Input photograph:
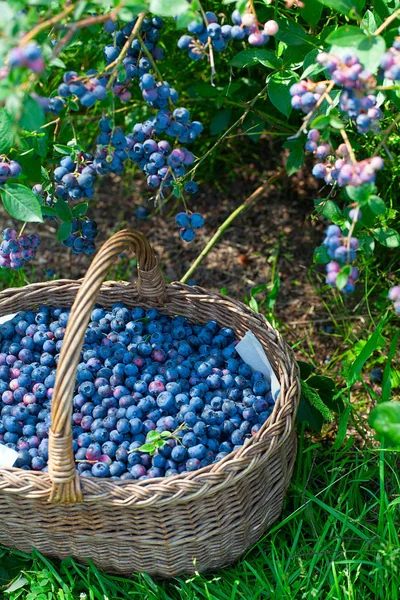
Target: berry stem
[
  {"x": 387, "y": 22},
  {"x": 252, "y": 199},
  {"x": 115, "y": 64},
  {"x": 22, "y": 229},
  {"x": 150, "y": 57}
]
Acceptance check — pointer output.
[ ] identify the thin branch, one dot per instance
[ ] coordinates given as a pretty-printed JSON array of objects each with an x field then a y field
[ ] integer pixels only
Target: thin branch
[
  {"x": 115, "y": 64},
  {"x": 308, "y": 116},
  {"x": 150, "y": 57},
  {"x": 387, "y": 22},
  {"x": 252, "y": 199},
  {"x": 45, "y": 24}
]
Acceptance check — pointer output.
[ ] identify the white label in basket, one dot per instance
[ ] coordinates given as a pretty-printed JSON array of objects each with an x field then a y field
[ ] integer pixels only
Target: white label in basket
[
  {"x": 7, "y": 318},
  {"x": 251, "y": 351},
  {"x": 8, "y": 456}
]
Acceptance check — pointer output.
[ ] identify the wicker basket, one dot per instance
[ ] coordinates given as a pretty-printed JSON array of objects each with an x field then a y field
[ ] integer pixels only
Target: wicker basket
[{"x": 196, "y": 521}]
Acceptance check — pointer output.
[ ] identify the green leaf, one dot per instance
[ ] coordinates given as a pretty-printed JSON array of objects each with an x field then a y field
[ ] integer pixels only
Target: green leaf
[
  {"x": 341, "y": 280},
  {"x": 295, "y": 159},
  {"x": 32, "y": 117},
  {"x": 31, "y": 166},
  {"x": 253, "y": 305},
  {"x": 292, "y": 34},
  {"x": 369, "y": 49},
  {"x": 63, "y": 211},
  {"x": 366, "y": 352},
  {"x": 64, "y": 231},
  {"x": 321, "y": 256},
  {"x": 320, "y": 122},
  {"x": 166, "y": 434},
  {"x": 21, "y": 203},
  {"x": 367, "y": 243},
  {"x": 332, "y": 212},
  {"x": 278, "y": 90},
  {"x": 152, "y": 436},
  {"x": 49, "y": 211},
  {"x": 377, "y": 205},
  {"x": 254, "y": 56},
  {"x": 326, "y": 388},
  {"x": 335, "y": 122},
  {"x": 61, "y": 149},
  {"x": 387, "y": 237},
  {"x": 6, "y": 133},
  {"x": 183, "y": 20},
  {"x": 80, "y": 209},
  {"x": 149, "y": 448},
  {"x": 385, "y": 419},
  {"x": 220, "y": 121},
  {"x": 311, "y": 12},
  {"x": 305, "y": 369},
  {"x": 387, "y": 379},
  {"x": 361, "y": 193},
  {"x": 169, "y": 8},
  {"x": 344, "y": 6}
]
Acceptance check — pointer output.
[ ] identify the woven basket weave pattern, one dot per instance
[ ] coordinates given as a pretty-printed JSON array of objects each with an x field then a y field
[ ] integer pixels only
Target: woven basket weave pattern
[{"x": 195, "y": 521}]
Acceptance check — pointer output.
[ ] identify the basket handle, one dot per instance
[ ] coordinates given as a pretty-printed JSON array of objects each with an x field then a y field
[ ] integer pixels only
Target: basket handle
[{"x": 65, "y": 480}]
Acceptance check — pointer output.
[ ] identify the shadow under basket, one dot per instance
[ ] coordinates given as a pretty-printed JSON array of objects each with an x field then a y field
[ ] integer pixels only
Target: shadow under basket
[{"x": 197, "y": 521}]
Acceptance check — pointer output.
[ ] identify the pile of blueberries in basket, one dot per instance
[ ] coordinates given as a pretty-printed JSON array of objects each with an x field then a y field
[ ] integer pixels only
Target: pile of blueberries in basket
[{"x": 154, "y": 395}]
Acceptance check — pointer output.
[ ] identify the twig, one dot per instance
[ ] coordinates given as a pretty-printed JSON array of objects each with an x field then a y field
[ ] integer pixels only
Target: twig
[
  {"x": 254, "y": 197},
  {"x": 387, "y": 22},
  {"x": 115, "y": 64},
  {"x": 48, "y": 23},
  {"x": 348, "y": 145},
  {"x": 308, "y": 116},
  {"x": 237, "y": 123},
  {"x": 388, "y": 131}
]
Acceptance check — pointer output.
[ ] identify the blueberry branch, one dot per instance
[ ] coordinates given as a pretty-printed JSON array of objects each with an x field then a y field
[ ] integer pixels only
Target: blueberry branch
[
  {"x": 115, "y": 64},
  {"x": 387, "y": 22},
  {"x": 45, "y": 24}
]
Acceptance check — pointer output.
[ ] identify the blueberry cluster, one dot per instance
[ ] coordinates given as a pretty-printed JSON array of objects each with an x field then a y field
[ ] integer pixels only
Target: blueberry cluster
[
  {"x": 75, "y": 180},
  {"x": 87, "y": 89},
  {"x": 188, "y": 224},
  {"x": 357, "y": 83},
  {"x": 209, "y": 32},
  {"x": 9, "y": 169},
  {"x": 29, "y": 56},
  {"x": 157, "y": 160},
  {"x": 394, "y": 296},
  {"x": 134, "y": 63},
  {"x": 338, "y": 166},
  {"x": 16, "y": 250},
  {"x": 390, "y": 61},
  {"x": 306, "y": 94},
  {"x": 139, "y": 372},
  {"x": 81, "y": 240},
  {"x": 343, "y": 251}
]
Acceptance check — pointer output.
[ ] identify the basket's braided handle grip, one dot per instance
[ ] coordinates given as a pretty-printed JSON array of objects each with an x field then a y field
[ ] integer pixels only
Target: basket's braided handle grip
[{"x": 150, "y": 285}]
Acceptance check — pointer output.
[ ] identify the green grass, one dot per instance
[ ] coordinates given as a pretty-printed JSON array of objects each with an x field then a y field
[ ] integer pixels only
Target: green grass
[{"x": 337, "y": 539}]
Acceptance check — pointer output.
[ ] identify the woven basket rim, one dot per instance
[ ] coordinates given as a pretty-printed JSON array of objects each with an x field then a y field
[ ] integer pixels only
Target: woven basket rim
[{"x": 168, "y": 488}]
